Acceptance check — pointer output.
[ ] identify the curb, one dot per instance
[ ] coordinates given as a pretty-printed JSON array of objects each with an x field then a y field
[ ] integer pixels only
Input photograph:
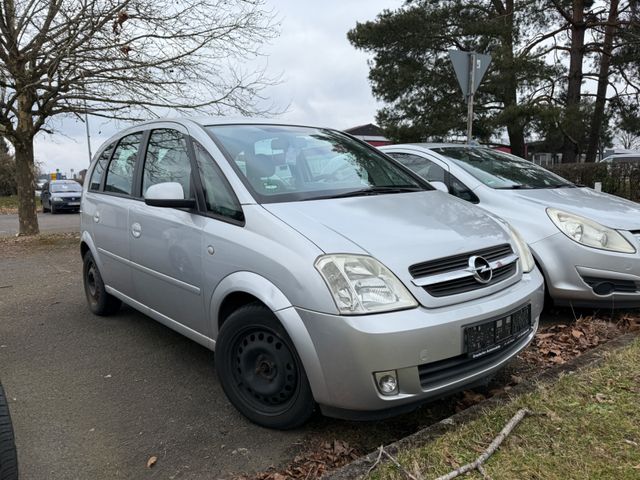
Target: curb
[{"x": 359, "y": 467}]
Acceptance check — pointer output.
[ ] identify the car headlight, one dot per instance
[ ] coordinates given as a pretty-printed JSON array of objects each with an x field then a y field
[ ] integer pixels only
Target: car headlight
[
  {"x": 526, "y": 258},
  {"x": 589, "y": 233},
  {"x": 360, "y": 284},
  {"x": 56, "y": 199}
]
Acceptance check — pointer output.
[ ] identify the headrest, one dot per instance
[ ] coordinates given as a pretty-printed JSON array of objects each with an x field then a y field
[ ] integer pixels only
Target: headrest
[
  {"x": 259, "y": 166},
  {"x": 279, "y": 144}
]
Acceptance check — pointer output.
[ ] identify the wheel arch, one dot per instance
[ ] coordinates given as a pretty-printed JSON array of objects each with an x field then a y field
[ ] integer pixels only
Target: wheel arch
[{"x": 241, "y": 288}]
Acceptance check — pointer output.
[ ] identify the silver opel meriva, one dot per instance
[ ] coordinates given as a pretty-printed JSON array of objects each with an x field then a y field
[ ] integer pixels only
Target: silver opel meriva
[{"x": 322, "y": 272}]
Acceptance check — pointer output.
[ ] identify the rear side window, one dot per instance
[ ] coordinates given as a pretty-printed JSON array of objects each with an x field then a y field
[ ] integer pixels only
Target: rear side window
[
  {"x": 120, "y": 172},
  {"x": 167, "y": 160},
  {"x": 101, "y": 166},
  {"x": 219, "y": 197}
]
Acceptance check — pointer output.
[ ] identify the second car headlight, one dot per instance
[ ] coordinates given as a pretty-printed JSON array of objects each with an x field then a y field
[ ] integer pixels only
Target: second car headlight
[
  {"x": 526, "y": 258},
  {"x": 589, "y": 233},
  {"x": 56, "y": 199},
  {"x": 361, "y": 284}
]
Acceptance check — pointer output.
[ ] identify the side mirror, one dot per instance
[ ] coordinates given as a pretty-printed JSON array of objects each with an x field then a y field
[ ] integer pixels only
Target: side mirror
[
  {"x": 440, "y": 186},
  {"x": 168, "y": 195}
]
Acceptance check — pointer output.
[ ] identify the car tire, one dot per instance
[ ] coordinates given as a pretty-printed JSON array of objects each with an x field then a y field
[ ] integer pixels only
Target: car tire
[
  {"x": 53, "y": 209},
  {"x": 100, "y": 302},
  {"x": 8, "y": 455},
  {"x": 260, "y": 370},
  {"x": 44, "y": 209}
]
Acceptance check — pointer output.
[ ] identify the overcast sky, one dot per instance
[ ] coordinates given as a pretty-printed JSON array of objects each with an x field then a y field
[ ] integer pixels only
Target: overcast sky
[{"x": 324, "y": 79}]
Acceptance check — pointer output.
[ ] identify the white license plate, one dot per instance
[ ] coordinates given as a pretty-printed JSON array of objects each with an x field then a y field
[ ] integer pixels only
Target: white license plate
[{"x": 74, "y": 204}]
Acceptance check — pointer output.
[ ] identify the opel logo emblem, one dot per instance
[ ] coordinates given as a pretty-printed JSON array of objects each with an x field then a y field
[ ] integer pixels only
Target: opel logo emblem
[{"x": 481, "y": 269}]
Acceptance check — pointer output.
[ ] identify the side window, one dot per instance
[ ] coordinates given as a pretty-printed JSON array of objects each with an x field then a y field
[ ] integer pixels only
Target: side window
[
  {"x": 167, "y": 160},
  {"x": 460, "y": 190},
  {"x": 421, "y": 166},
  {"x": 120, "y": 172},
  {"x": 101, "y": 166},
  {"x": 219, "y": 197}
]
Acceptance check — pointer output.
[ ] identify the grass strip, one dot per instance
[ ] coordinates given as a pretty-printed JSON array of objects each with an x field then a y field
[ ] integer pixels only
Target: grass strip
[{"x": 589, "y": 428}]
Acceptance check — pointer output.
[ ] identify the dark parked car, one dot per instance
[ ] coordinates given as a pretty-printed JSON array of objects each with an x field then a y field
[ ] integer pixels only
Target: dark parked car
[
  {"x": 8, "y": 456},
  {"x": 59, "y": 195}
]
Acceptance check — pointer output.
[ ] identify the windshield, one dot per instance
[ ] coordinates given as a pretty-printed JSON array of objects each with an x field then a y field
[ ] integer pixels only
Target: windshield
[
  {"x": 283, "y": 163},
  {"x": 65, "y": 187},
  {"x": 502, "y": 170}
]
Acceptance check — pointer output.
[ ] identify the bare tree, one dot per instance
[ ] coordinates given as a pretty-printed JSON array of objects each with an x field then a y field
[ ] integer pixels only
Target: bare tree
[{"x": 125, "y": 59}]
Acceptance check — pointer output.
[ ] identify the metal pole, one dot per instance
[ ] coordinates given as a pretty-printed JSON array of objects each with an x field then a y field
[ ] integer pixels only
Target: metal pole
[
  {"x": 86, "y": 125},
  {"x": 472, "y": 81}
]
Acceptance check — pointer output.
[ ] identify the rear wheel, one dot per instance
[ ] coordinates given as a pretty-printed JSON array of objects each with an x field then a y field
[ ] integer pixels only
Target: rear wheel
[
  {"x": 100, "y": 302},
  {"x": 260, "y": 370},
  {"x": 8, "y": 455}
]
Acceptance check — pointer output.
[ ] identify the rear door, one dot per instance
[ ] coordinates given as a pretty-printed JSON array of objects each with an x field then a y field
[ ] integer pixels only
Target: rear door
[
  {"x": 108, "y": 209},
  {"x": 166, "y": 250}
]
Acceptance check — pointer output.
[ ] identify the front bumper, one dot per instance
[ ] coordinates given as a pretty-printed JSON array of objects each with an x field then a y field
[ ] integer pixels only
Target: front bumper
[
  {"x": 349, "y": 349},
  {"x": 66, "y": 205},
  {"x": 575, "y": 273}
]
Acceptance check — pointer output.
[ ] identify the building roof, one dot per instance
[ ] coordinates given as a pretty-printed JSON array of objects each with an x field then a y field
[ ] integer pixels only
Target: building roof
[{"x": 368, "y": 130}]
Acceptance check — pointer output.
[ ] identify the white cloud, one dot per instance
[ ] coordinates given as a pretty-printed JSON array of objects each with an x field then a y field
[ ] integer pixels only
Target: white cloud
[{"x": 324, "y": 79}]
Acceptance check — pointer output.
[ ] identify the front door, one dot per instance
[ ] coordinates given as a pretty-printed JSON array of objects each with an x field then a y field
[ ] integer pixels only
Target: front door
[{"x": 166, "y": 251}]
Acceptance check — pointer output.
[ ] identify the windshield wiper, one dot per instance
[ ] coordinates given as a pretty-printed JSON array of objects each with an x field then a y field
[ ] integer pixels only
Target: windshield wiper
[
  {"x": 515, "y": 187},
  {"x": 372, "y": 191}
]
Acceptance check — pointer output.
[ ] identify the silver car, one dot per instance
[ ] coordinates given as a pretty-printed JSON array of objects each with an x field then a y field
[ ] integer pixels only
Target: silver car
[
  {"x": 320, "y": 271},
  {"x": 586, "y": 243}
]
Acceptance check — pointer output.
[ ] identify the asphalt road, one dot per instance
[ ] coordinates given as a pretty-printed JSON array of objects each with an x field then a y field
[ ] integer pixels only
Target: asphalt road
[
  {"x": 95, "y": 398},
  {"x": 62, "y": 222}
]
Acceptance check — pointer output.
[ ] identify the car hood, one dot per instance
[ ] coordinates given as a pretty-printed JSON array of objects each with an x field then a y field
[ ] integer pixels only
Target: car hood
[
  {"x": 609, "y": 210},
  {"x": 397, "y": 229}
]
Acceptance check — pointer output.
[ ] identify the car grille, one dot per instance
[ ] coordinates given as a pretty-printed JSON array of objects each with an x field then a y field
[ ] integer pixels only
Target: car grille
[
  {"x": 451, "y": 275},
  {"x": 611, "y": 285}
]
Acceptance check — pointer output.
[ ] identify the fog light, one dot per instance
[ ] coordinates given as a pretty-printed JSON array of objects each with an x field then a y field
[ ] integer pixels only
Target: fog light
[{"x": 387, "y": 382}]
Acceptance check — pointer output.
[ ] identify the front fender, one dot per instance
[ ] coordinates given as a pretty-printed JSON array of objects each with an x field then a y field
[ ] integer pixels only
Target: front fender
[{"x": 279, "y": 304}]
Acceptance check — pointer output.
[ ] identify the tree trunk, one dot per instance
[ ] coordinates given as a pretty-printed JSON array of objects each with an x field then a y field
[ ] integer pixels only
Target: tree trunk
[
  {"x": 574, "y": 85},
  {"x": 603, "y": 83},
  {"x": 515, "y": 128},
  {"x": 25, "y": 179},
  {"x": 516, "y": 140}
]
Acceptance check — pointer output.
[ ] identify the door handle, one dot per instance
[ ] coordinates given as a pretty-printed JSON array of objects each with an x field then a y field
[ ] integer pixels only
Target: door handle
[
  {"x": 96, "y": 217},
  {"x": 136, "y": 230}
]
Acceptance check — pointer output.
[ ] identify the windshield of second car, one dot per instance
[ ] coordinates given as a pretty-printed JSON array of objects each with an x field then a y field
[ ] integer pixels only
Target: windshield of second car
[
  {"x": 65, "y": 187},
  {"x": 501, "y": 170},
  {"x": 284, "y": 163}
]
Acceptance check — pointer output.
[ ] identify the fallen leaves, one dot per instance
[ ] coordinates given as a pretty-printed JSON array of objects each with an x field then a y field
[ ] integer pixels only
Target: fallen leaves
[
  {"x": 557, "y": 344},
  {"x": 312, "y": 464}
]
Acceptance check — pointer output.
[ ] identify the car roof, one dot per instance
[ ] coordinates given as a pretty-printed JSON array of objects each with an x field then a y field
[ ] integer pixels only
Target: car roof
[
  {"x": 205, "y": 121},
  {"x": 63, "y": 181}
]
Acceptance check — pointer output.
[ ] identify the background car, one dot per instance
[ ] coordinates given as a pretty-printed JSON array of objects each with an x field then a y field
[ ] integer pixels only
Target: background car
[
  {"x": 586, "y": 242},
  {"x": 61, "y": 195},
  {"x": 621, "y": 158},
  {"x": 8, "y": 455}
]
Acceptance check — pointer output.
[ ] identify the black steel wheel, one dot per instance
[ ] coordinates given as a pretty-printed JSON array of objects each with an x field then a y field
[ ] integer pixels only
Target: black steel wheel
[
  {"x": 100, "y": 302},
  {"x": 8, "y": 455},
  {"x": 260, "y": 370}
]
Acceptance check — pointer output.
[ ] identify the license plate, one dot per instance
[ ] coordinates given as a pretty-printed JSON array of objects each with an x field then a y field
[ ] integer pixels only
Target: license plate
[
  {"x": 486, "y": 337},
  {"x": 74, "y": 204}
]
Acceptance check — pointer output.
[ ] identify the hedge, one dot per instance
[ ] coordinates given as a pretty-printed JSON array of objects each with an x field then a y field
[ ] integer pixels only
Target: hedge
[{"x": 621, "y": 179}]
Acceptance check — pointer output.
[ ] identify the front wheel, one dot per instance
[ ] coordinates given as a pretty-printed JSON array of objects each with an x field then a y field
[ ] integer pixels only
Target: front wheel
[
  {"x": 260, "y": 370},
  {"x": 8, "y": 455},
  {"x": 100, "y": 302}
]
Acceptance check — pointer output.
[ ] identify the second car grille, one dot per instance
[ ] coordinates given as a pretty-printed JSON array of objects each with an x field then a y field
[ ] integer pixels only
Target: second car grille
[{"x": 452, "y": 275}]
